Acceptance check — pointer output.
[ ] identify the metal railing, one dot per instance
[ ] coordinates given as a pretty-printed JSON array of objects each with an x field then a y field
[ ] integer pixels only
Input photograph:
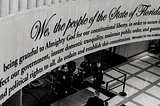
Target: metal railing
[{"x": 122, "y": 82}]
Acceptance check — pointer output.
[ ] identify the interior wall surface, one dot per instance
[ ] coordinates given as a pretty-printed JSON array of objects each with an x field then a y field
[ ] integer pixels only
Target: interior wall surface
[{"x": 131, "y": 49}]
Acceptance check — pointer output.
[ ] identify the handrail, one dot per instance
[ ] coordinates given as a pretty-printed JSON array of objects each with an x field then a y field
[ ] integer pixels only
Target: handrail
[
  {"x": 114, "y": 87},
  {"x": 115, "y": 78}
]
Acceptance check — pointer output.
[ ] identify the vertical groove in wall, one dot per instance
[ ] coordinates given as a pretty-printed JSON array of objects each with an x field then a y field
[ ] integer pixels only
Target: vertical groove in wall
[
  {"x": 22, "y": 5},
  {"x": 13, "y": 6},
  {"x": 4, "y": 8}
]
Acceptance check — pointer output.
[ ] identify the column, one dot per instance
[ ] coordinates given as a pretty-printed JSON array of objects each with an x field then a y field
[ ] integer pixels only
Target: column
[
  {"x": 22, "y": 5},
  {"x": 39, "y": 3},
  {"x": 62, "y": 1},
  {"x": 70, "y": 0},
  {"x": 47, "y": 2},
  {"x": 4, "y": 8},
  {"x": 55, "y": 1},
  {"x": 13, "y": 6},
  {"x": 31, "y": 4}
]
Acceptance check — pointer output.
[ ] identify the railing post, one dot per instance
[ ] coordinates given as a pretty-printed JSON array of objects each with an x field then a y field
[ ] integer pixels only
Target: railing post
[
  {"x": 106, "y": 86},
  {"x": 124, "y": 83}
]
